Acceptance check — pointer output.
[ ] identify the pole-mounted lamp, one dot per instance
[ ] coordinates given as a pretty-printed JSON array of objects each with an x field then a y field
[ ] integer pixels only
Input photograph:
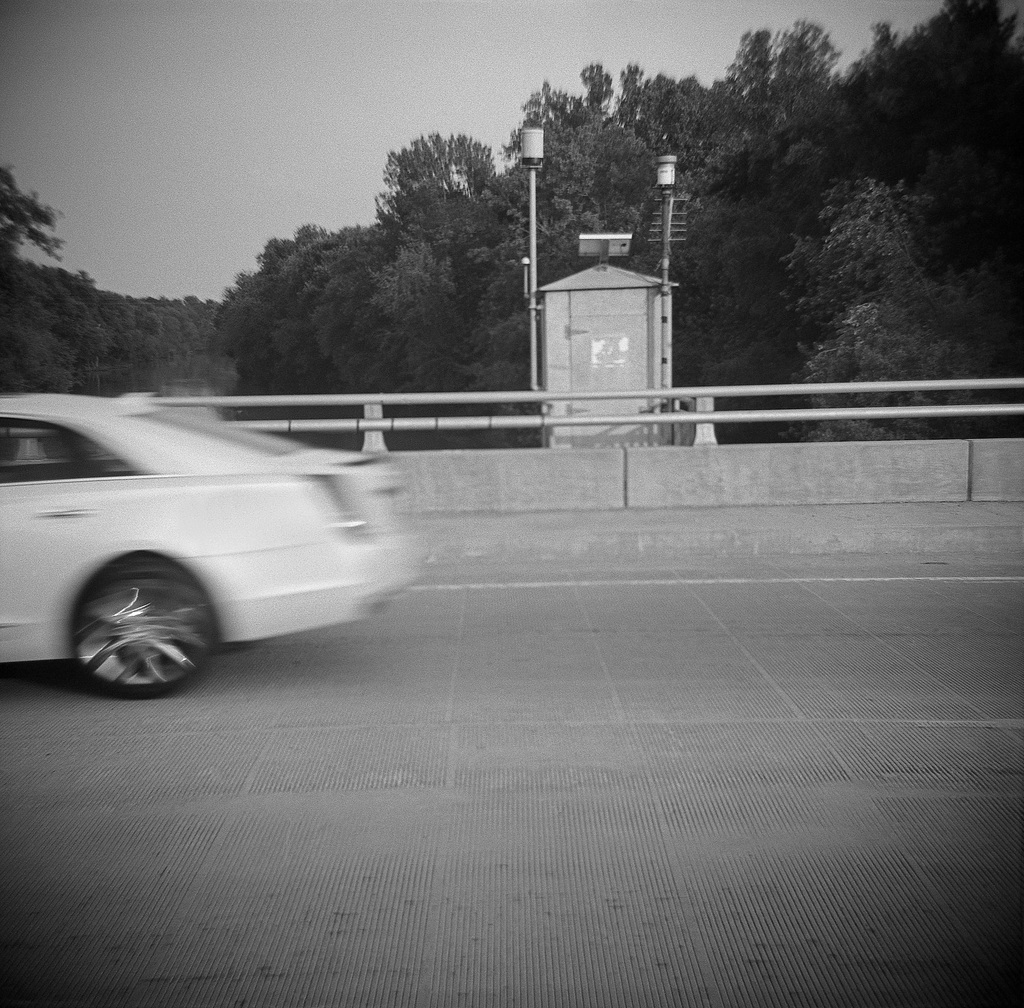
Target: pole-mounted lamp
[
  {"x": 532, "y": 158},
  {"x": 667, "y": 185}
]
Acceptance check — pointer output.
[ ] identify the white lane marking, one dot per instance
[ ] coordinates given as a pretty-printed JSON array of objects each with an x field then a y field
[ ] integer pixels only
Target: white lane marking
[{"x": 640, "y": 582}]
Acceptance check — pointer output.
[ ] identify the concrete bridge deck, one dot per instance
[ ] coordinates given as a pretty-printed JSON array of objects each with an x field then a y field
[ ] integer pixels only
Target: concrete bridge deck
[{"x": 639, "y": 773}]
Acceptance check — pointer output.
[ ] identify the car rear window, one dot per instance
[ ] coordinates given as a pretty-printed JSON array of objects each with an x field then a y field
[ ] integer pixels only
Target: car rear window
[
  {"x": 199, "y": 420},
  {"x": 37, "y": 451}
]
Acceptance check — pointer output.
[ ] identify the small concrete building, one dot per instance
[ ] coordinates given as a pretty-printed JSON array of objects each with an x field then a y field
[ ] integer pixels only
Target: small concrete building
[{"x": 600, "y": 332}]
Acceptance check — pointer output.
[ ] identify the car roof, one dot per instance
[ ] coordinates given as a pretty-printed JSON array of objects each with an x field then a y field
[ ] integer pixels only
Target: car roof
[
  {"x": 67, "y": 406},
  {"x": 168, "y": 449}
]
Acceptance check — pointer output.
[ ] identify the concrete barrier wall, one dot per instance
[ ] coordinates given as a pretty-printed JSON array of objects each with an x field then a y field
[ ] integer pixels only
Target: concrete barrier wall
[
  {"x": 514, "y": 479},
  {"x": 997, "y": 469},
  {"x": 848, "y": 472}
]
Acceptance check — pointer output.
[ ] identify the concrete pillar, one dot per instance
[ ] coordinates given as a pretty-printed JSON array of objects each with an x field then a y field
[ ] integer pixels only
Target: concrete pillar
[
  {"x": 705, "y": 434},
  {"x": 373, "y": 440}
]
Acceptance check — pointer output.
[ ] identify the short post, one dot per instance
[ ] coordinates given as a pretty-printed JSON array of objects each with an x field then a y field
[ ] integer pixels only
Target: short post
[
  {"x": 705, "y": 433},
  {"x": 373, "y": 440}
]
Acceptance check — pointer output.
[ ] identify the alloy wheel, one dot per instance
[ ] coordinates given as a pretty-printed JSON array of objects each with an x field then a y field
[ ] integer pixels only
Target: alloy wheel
[{"x": 142, "y": 628}]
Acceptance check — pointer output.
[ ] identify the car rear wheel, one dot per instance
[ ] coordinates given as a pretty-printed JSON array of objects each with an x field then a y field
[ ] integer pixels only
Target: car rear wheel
[{"x": 142, "y": 627}]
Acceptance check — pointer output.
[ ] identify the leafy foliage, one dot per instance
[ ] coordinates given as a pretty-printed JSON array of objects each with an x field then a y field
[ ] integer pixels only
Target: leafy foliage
[
  {"x": 889, "y": 319},
  {"x": 23, "y": 219}
]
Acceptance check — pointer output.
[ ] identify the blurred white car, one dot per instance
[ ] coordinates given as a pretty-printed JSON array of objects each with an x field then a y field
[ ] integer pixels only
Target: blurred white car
[{"x": 135, "y": 537}]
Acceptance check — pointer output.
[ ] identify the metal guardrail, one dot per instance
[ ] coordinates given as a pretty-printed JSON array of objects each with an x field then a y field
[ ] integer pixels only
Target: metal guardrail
[
  {"x": 663, "y": 405},
  {"x": 680, "y": 392}
]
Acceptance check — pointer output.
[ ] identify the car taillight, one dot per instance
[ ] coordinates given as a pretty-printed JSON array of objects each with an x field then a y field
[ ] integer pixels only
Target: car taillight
[
  {"x": 347, "y": 518},
  {"x": 374, "y": 483}
]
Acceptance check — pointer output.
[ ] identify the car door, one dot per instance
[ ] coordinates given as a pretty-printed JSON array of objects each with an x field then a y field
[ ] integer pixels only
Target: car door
[{"x": 59, "y": 509}]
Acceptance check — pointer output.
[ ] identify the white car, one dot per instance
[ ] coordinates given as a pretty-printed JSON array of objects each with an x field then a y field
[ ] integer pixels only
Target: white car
[{"x": 136, "y": 537}]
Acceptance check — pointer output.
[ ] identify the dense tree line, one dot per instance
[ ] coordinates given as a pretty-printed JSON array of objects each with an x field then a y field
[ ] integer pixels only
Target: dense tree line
[
  {"x": 851, "y": 225},
  {"x": 59, "y": 333}
]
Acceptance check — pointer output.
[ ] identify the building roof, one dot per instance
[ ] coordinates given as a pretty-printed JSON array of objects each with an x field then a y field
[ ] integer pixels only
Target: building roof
[{"x": 601, "y": 277}]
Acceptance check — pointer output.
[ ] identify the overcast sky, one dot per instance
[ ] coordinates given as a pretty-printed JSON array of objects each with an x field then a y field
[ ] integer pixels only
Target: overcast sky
[{"x": 176, "y": 137}]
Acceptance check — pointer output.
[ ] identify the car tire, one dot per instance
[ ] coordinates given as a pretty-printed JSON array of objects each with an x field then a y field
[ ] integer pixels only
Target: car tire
[{"x": 142, "y": 627}]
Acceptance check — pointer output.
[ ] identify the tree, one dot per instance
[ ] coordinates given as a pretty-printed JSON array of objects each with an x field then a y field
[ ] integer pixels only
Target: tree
[
  {"x": 443, "y": 227},
  {"x": 597, "y": 173},
  {"x": 668, "y": 116},
  {"x": 348, "y": 323},
  {"x": 889, "y": 318},
  {"x": 973, "y": 207},
  {"x": 755, "y": 182},
  {"x": 31, "y": 356},
  {"x": 267, "y": 322},
  {"x": 23, "y": 219},
  {"x": 779, "y": 106},
  {"x": 425, "y": 336},
  {"x": 424, "y": 180},
  {"x": 954, "y": 81}
]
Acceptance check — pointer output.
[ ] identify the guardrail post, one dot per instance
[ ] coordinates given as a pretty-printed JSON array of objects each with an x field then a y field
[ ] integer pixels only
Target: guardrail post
[
  {"x": 373, "y": 440},
  {"x": 674, "y": 435},
  {"x": 705, "y": 433}
]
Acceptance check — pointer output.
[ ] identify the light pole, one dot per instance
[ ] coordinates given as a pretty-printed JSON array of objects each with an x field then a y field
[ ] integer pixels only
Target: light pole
[
  {"x": 666, "y": 183},
  {"x": 532, "y": 159}
]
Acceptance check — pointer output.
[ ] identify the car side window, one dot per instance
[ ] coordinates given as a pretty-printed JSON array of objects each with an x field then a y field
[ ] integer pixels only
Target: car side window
[{"x": 32, "y": 451}]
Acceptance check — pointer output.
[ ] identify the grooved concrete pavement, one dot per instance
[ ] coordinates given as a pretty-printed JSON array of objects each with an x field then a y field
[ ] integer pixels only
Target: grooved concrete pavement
[
  {"x": 656, "y": 536},
  {"x": 610, "y": 777}
]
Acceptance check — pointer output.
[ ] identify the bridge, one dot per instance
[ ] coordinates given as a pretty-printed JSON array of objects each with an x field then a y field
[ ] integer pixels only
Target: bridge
[{"x": 713, "y": 750}]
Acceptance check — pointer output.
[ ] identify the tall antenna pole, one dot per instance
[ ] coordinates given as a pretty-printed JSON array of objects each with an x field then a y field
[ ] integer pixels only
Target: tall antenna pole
[
  {"x": 532, "y": 159},
  {"x": 534, "y": 375}
]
